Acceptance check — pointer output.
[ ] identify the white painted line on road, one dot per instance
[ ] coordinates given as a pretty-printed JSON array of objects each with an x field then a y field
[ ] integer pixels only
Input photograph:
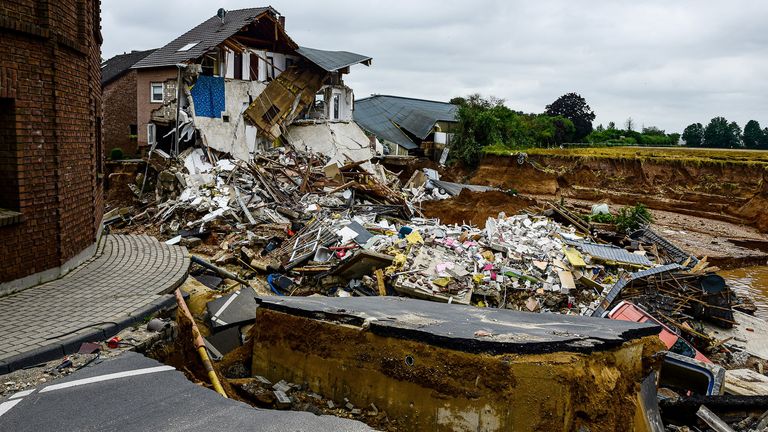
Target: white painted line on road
[
  {"x": 6, "y": 406},
  {"x": 225, "y": 306},
  {"x": 21, "y": 394},
  {"x": 107, "y": 377}
]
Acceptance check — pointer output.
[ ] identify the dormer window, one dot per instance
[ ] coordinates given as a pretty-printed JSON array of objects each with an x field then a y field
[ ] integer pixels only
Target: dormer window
[{"x": 188, "y": 46}]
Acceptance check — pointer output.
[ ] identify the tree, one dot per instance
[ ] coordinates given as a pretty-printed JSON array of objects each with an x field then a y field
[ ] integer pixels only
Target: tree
[
  {"x": 764, "y": 142},
  {"x": 734, "y": 139},
  {"x": 599, "y": 128},
  {"x": 753, "y": 135},
  {"x": 718, "y": 133},
  {"x": 629, "y": 124},
  {"x": 653, "y": 130},
  {"x": 611, "y": 126},
  {"x": 573, "y": 107},
  {"x": 693, "y": 135}
]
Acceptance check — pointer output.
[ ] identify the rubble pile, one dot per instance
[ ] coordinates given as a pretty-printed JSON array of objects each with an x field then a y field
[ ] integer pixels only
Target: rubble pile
[{"x": 294, "y": 223}]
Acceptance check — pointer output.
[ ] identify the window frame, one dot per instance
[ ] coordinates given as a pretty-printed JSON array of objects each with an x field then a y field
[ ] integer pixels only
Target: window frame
[{"x": 152, "y": 92}]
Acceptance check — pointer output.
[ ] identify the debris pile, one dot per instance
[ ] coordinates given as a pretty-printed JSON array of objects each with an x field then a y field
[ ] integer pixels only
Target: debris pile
[{"x": 295, "y": 223}]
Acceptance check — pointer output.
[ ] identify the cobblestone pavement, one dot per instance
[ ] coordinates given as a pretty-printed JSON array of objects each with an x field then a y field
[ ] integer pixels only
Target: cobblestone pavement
[{"x": 129, "y": 277}]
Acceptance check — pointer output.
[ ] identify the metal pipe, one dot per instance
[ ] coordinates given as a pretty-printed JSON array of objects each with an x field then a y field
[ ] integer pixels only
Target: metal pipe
[
  {"x": 222, "y": 272},
  {"x": 200, "y": 346}
]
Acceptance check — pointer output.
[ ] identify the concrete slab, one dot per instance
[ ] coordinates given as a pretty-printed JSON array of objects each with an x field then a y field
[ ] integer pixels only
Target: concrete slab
[{"x": 466, "y": 328}]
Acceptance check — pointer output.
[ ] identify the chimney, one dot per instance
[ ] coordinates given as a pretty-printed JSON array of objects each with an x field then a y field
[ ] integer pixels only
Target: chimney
[{"x": 282, "y": 21}]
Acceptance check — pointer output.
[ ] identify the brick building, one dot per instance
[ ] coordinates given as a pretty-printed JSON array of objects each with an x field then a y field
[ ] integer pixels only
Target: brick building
[
  {"x": 118, "y": 84},
  {"x": 50, "y": 138}
]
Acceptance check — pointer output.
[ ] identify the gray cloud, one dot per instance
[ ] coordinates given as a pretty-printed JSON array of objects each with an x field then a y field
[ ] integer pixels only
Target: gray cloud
[{"x": 662, "y": 63}]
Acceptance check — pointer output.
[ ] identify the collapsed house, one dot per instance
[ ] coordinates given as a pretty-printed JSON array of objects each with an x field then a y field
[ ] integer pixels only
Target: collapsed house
[
  {"x": 407, "y": 126},
  {"x": 245, "y": 86}
]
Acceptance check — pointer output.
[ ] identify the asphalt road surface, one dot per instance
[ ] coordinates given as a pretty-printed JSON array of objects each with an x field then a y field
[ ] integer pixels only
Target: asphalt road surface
[{"x": 134, "y": 393}]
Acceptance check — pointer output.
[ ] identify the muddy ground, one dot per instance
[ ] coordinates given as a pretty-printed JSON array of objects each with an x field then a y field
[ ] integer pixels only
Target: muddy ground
[
  {"x": 475, "y": 207},
  {"x": 711, "y": 209}
]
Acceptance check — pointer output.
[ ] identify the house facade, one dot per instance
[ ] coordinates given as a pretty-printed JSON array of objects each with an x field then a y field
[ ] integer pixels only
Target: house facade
[
  {"x": 242, "y": 83},
  {"x": 120, "y": 103},
  {"x": 50, "y": 138}
]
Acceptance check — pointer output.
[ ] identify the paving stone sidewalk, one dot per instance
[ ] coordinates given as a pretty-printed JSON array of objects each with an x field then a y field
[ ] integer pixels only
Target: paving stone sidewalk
[{"x": 129, "y": 277}]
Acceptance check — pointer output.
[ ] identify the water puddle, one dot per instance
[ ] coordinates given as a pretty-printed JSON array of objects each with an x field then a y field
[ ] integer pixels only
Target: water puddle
[{"x": 751, "y": 282}]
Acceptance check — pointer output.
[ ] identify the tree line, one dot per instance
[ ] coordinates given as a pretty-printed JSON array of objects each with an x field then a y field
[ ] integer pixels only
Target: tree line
[
  {"x": 720, "y": 133},
  {"x": 486, "y": 124}
]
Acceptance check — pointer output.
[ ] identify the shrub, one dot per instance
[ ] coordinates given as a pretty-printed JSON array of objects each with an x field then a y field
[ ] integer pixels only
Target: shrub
[
  {"x": 632, "y": 218},
  {"x": 116, "y": 153}
]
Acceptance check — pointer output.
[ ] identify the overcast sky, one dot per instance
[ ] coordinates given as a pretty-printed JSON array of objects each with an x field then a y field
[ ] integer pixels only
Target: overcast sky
[{"x": 663, "y": 63}]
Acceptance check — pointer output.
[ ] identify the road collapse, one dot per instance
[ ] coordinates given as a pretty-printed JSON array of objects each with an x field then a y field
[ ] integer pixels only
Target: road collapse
[{"x": 330, "y": 287}]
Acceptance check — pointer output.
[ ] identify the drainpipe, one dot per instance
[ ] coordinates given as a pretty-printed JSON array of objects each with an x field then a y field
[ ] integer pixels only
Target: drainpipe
[
  {"x": 176, "y": 135},
  {"x": 200, "y": 345}
]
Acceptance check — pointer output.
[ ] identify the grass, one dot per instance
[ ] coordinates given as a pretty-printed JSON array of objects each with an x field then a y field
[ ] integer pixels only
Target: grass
[{"x": 687, "y": 156}]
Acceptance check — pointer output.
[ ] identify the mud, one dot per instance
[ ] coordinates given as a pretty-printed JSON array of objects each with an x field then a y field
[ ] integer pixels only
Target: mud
[
  {"x": 734, "y": 192},
  {"x": 475, "y": 207}
]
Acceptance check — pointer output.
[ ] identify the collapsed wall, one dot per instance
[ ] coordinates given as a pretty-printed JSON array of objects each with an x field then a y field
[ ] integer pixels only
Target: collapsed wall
[
  {"x": 455, "y": 368},
  {"x": 725, "y": 190}
]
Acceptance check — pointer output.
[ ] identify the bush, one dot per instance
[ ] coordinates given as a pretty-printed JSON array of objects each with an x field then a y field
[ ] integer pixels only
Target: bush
[
  {"x": 632, "y": 218},
  {"x": 116, "y": 153}
]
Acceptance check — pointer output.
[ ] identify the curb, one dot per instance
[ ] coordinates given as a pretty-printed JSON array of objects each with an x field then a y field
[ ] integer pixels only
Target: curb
[{"x": 69, "y": 345}]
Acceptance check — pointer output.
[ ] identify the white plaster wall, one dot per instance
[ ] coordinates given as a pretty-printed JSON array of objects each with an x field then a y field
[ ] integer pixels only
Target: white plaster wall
[
  {"x": 341, "y": 142},
  {"x": 236, "y": 137}
]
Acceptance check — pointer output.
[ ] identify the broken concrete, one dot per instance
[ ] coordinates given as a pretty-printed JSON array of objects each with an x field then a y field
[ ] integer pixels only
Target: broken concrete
[{"x": 451, "y": 367}]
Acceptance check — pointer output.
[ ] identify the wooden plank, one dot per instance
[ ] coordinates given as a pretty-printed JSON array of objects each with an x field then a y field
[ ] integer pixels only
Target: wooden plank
[
  {"x": 745, "y": 382},
  {"x": 380, "y": 282}
]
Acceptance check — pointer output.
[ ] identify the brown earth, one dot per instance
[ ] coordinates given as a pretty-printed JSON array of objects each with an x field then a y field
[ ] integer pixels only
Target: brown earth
[
  {"x": 725, "y": 191},
  {"x": 475, "y": 207}
]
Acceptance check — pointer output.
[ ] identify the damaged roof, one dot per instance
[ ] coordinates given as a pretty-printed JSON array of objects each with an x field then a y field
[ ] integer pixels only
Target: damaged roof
[
  {"x": 116, "y": 66},
  {"x": 332, "y": 61},
  {"x": 209, "y": 34},
  {"x": 387, "y": 116}
]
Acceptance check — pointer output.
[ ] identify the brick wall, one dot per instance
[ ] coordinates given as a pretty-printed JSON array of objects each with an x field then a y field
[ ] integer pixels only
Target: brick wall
[
  {"x": 144, "y": 78},
  {"x": 50, "y": 67},
  {"x": 119, "y": 105}
]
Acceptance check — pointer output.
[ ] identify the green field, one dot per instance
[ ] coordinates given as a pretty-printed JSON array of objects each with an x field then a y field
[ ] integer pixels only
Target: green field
[{"x": 682, "y": 154}]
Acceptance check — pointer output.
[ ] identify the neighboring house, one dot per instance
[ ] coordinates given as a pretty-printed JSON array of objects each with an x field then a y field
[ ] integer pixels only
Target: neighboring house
[
  {"x": 407, "y": 126},
  {"x": 51, "y": 203},
  {"x": 244, "y": 82},
  {"x": 118, "y": 86}
]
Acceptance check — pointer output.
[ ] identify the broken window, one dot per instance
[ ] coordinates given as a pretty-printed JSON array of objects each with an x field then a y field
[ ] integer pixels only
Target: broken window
[
  {"x": 336, "y": 107},
  {"x": 254, "y": 67},
  {"x": 288, "y": 62},
  {"x": 238, "y": 66},
  {"x": 9, "y": 175},
  {"x": 209, "y": 65},
  {"x": 270, "y": 67},
  {"x": 156, "y": 93},
  {"x": 271, "y": 114}
]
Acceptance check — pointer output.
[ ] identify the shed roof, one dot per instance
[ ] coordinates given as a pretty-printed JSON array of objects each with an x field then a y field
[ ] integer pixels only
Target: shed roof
[
  {"x": 387, "y": 116},
  {"x": 332, "y": 61},
  {"x": 209, "y": 34}
]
